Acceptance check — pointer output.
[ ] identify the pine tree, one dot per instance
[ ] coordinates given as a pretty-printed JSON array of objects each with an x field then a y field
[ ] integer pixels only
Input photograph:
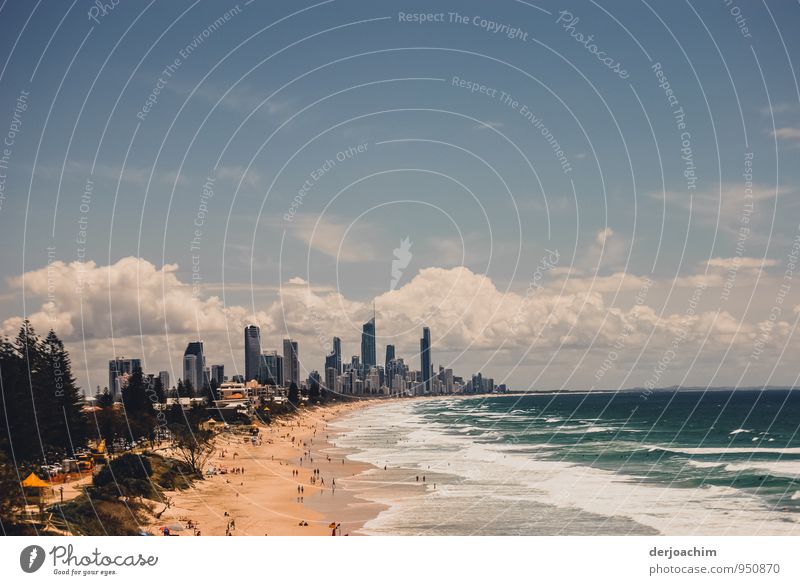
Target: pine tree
[
  {"x": 138, "y": 407},
  {"x": 71, "y": 429},
  {"x": 12, "y": 395},
  {"x": 107, "y": 422},
  {"x": 31, "y": 427},
  {"x": 159, "y": 390},
  {"x": 41, "y": 414}
]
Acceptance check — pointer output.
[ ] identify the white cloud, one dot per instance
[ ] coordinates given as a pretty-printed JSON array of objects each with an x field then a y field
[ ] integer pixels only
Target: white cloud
[
  {"x": 607, "y": 252},
  {"x": 787, "y": 133},
  {"x": 741, "y": 263},
  {"x": 130, "y": 297},
  {"x": 128, "y": 308}
]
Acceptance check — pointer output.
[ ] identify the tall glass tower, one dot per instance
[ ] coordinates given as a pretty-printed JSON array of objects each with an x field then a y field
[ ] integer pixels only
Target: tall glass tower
[
  {"x": 425, "y": 357},
  {"x": 389, "y": 355},
  {"x": 337, "y": 353},
  {"x": 291, "y": 362},
  {"x": 194, "y": 369},
  {"x": 252, "y": 352},
  {"x": 368, "y": 344}
]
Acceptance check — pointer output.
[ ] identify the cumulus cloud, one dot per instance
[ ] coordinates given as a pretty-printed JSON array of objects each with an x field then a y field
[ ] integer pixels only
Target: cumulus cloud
[
  {"x": 129, "y": 297},
  {"x": 741, "y": 262},
  {"x": 607, "y": 252},
  {"x": 135, "y": 307}
]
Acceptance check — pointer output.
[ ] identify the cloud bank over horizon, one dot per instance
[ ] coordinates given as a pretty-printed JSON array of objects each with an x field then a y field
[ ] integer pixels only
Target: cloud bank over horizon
[{"x": 568, "y": 328}]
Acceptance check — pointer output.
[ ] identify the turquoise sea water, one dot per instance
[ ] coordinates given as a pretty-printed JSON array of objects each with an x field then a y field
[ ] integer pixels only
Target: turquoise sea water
[{"x": 715, "y": 462}]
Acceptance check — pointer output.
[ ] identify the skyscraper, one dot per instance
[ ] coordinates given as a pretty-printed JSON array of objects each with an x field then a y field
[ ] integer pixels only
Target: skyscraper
[
  {"x": 337, "y": 352},
  {"x": 334, "y": 359},
  {"x": 190, "y": 370},
  {"x": 291, "y": 362},
  {"x": 425, "y": 358},
  {"x": 163, "y": 375},
  {"x": 330, "y": 379},
  {"x": 218, "y": 373},
  {"x": 368, "y": 344},
  {"x": 119, "y": 367},
  {"x": 252, "y": 351},
  {"x": 270, "y": 371},
  {"x": 194, "y": 370},
  {"x": 389, "y": 356}
]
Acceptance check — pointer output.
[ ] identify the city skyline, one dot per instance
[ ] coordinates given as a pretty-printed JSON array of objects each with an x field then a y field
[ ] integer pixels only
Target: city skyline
[{"x": 358, "y": 378}]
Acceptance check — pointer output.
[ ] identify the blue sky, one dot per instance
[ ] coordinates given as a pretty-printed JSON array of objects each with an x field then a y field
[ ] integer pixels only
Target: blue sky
[{"x": 281, "y": 87}]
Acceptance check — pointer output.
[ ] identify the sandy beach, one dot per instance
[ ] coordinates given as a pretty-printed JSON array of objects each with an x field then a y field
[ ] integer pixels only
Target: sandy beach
[{"x": 271, "y": 488}]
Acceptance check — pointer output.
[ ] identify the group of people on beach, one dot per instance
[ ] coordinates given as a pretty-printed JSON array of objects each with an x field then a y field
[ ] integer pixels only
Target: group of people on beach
[{"x": 296, "y": 434}]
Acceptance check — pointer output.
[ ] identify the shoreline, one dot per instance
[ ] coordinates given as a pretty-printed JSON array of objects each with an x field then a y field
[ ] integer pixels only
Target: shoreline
[{"x": 277, "y": 492}]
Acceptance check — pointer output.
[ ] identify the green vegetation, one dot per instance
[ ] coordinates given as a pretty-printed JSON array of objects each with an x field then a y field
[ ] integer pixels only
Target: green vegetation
[
  {"x": 40, "y": 414},
  {"x": 124, "y": 495}
]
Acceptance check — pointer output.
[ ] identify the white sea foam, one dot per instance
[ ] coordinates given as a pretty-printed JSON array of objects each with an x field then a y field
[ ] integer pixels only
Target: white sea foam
[
  {"x": 489, "y": 472},
  {"x": 704, "y": 464},
  {"x": 723, "y": 450},
  {"x": 737, "y": 431},
  {"x": 776, "y": 468}
]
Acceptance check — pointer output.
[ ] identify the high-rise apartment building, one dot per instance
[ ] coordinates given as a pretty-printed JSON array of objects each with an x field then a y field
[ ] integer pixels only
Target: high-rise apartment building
[
  {"x": 291, "y": 362},
  {"x": 252, "y": 351},
  {"x": 368, "y": 358},
  {"x": 425, "y": 358},
  {"x": 270, "y": 371},
  {"x": 194, "y": 370},
  {"x": 389, "y": 356}
]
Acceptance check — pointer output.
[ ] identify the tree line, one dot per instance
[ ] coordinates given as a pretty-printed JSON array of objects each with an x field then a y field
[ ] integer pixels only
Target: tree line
[{"x": 41, "y": 416}]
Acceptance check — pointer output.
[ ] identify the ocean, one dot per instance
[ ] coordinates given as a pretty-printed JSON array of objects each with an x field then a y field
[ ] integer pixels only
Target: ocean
[{"x": 677, "y": 463}]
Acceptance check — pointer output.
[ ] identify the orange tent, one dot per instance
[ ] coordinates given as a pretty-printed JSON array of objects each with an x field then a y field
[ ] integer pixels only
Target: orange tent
[{"x": 33, "y": 481}]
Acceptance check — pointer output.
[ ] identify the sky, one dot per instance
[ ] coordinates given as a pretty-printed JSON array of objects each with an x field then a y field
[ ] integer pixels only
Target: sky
[{"x": 592, "y": 195}]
